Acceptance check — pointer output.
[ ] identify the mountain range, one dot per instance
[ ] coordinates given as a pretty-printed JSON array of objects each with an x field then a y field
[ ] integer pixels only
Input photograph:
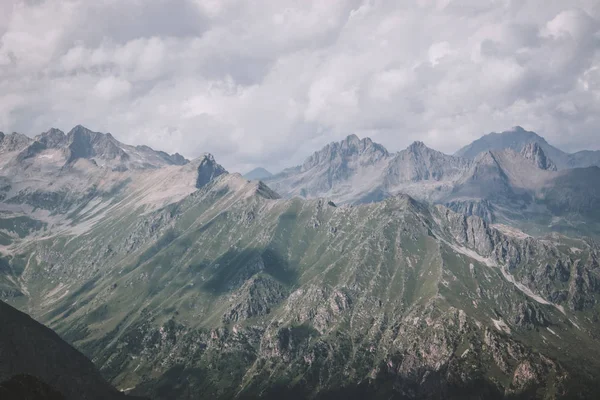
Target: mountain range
[
  {"x": 81, "y": 143},
  {"x": 411, "y": 279},
  {"x": 506, "y": 178}
]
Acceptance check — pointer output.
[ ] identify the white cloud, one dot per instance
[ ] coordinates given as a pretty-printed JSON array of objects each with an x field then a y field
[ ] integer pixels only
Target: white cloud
[
  {"x": 111, "y": 88},
  {"x": 438, "y": 51},
  {"x": 574, "y": 23},
  {"x": 267, "y": 82}
]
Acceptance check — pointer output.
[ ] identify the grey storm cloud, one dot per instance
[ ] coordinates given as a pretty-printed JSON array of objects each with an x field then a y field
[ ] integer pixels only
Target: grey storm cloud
[{"x": 267, "y": 82}]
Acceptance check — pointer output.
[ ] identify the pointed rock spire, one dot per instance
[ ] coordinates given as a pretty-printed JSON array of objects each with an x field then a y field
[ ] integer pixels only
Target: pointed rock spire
[{"x": 208, "y": 170}]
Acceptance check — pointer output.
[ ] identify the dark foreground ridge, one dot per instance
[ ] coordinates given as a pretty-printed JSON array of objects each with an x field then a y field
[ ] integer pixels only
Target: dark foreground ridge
[{"x": 37, "y": 364}]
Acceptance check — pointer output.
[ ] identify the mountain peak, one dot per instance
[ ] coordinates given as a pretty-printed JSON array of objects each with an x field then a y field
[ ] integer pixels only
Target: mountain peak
[
  {"x": 208, "y": 170},
  {"x": 349, "y": 148},
  {"x": 53, "y": 131},
  {"x": 352, "y": 138},
  {"x": 178, "y": 159},
  {"x": 79, "y": 129},
  {"x": 258, "y": 174},
  {"x": 420, "y": 163},
  {"x": 13, "y": 142},
  {"x": 516, "y": 138},
  {"x": 417, "y": 146},
  {"x": 53, "y": 138},
  {"x": 518, "y": 134},
  {"x": 84, "y": 143},
  {"x": 208, "y": 158},
  {"x": 355, "y": 143}
]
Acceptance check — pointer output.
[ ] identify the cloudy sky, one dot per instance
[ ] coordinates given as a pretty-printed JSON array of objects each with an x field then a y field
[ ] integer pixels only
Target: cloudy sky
[{"x": 267, "y": 82}]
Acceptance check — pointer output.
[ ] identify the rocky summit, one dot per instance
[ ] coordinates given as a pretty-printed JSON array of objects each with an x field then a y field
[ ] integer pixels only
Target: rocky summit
[{"x": 419, "y": 275}]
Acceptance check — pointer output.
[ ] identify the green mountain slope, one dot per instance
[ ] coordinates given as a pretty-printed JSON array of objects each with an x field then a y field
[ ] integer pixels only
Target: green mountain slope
[{"x": 232, "y": 292}]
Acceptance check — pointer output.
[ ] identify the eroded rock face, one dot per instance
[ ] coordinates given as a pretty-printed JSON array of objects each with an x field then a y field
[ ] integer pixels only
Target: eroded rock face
[
  {"x": 420, "y": 163},
  {"x": 557, "y": 277},
  {"x": 176, "y": 159},
  {"x": 83, "y": 143},
  {"x": 534, "y": 153},
  {"x": 336, "y": 156},
  {"x": 53, "y": 138},
  {"x": 483, "y": 209},
  {"x": 13, "y": 142}
]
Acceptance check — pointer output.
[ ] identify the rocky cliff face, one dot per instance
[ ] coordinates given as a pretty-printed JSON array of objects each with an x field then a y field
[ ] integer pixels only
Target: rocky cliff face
[
  {"x": 420, "y": 163},
  {"x": 13, "y": 142},
  {"x": 534, "y": 153},
  {"x": 338, "y": 155},
  {"x": 208, "y": 170},
  {"x": 483, "y": 209},
  {"x": 54, "y": 138},
  {"x": 83, "y": 143}
]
